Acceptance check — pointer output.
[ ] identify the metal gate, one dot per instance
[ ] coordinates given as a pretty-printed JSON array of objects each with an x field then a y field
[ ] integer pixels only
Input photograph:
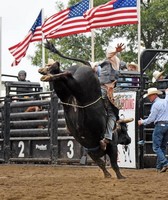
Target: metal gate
[
  {"x": 1, "y": 130},
  {"x": 150, "y": 57},
  {"x": 36, "y": 137}
]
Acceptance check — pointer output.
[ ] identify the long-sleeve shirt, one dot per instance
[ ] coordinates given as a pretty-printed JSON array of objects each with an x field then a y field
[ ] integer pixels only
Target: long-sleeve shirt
[
  {"x": 112, "y": 111},
  {"x": 159, "y": 111}
]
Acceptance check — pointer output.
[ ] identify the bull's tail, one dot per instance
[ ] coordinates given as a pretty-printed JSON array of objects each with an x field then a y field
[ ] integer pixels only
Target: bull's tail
[{"x": 52, "y": 48}]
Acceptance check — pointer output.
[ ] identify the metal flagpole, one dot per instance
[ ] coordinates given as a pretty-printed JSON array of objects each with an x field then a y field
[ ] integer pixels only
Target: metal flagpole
[
  {"x": 0, "y": 55},
  {"x": 92, "y": 42},
  {"x": 43, "y": 50},
  {"x": 92, "y": 36},
  {"x": 139, "y": 32}
]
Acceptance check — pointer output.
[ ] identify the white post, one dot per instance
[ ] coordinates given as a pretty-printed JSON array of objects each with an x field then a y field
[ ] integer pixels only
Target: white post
[
  {"x": 0, "y": 55},
  {"x": 139, "y": 31},
  {"x": 92, "y": 44},
  {"x": 43, "y": 51},
  {"x": 92, "y": 36}
]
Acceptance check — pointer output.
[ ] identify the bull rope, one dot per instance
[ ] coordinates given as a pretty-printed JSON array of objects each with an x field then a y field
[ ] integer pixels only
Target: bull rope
[{"x": 77, "y": 106}]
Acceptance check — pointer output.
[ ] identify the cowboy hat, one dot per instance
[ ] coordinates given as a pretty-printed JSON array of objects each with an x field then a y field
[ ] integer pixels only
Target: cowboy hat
[
  {"x": 133, "y": 64},
  {"x": 151, "y": 91},
  {"x": 156, "y": 75},
  {"x": 50, "y": 62}
]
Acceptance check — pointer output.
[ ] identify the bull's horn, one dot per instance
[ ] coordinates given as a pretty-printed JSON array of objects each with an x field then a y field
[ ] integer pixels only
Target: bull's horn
[
  {"x": 46, "y": 77},
  {"x": 43, "y": 70},
  {"x": 126, "y": 120}
]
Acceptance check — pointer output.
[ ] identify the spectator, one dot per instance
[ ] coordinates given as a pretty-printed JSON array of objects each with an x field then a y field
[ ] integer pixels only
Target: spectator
[
  {"x": 123, "y": 66},
  {"x": 134, "y": 80},
  {"x": 157, "y": 76},
  {"x": 121, "y": 81},
  {"x": 158, "y": 80},
  {"x": 22, "y": 77},
  {"x": 132, "y": 66},
  {"x": 21, "y": 89}
]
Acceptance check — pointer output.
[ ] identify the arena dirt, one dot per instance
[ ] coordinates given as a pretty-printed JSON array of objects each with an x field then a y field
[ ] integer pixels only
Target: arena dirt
[{"x": 30, "y": 182}]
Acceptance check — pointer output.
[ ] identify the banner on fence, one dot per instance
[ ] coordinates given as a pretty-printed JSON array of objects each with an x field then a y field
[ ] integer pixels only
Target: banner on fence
[{"x": 127, "y": 155}]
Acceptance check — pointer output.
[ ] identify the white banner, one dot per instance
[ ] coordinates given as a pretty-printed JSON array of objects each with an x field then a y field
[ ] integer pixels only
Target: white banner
[{"x": 127, "y": 156}]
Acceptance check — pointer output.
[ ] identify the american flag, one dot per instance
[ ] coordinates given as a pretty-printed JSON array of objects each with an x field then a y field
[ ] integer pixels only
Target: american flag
[
  {"x": 113, "y": 13},
  {"x": 18, "y": 51},
  {"x": 67, "y": 22}
]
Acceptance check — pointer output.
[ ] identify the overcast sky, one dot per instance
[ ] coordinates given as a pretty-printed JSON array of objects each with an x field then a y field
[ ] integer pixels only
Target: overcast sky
[{"x": 17, "y": 18}]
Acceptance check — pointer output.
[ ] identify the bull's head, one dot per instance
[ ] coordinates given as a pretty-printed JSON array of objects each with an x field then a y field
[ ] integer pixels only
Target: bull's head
[
  {"x": 122, "y": 131},
  {"x": 50, "y": 72},
  {"x": 53, "y": 69}
]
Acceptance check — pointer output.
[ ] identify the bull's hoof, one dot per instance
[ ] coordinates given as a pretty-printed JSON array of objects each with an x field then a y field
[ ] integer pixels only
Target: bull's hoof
[
  {"x": 46, "y": 78},
  {"x": 107, "y": 175},
  {"x": 121, "y": 177},
  {"x": 43, "y": 70}
]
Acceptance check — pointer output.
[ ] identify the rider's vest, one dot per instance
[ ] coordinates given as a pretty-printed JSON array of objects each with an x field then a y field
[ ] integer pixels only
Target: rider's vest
[{"x": 108, "y": 74}]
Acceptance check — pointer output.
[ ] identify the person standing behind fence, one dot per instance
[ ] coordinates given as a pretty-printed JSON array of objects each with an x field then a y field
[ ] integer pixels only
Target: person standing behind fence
[
  {"x": 121, "y": 80},
  {"x": 23, "y": 89},
  {"x": 158, "y": 115},
  {"x": 22, "y": 77},
  {"x": 158, "y": 80},
  {"x": 132, "y": 66}
]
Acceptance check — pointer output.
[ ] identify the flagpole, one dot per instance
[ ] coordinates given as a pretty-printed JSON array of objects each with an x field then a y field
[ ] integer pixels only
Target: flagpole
[
  {"x": 92, "y": 36},
  {"x": 43, "y": 50},
  {"x": 139, "y": 32},
  {"x": 0, "y": 56},
  {"x": 92, "y": 44}
]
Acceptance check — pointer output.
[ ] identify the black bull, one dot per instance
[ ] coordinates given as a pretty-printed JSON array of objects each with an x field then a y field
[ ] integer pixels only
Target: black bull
[{"x": 79, "y": 91}]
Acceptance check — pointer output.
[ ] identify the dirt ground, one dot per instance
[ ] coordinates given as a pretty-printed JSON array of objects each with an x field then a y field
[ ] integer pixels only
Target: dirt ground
[{"x": 30, "y": 182}]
